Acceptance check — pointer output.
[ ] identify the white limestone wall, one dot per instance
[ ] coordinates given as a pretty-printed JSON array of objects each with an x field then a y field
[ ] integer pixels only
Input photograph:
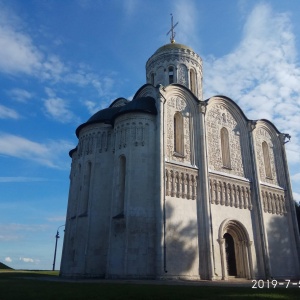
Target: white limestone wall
[
  {"x": 182, "y": 254},
  {"x": 99, "y": 214},
  {"x": 132, "y": 236},
  {"x": 281, "y": 247},
  {"x": 87, "y": 230}
]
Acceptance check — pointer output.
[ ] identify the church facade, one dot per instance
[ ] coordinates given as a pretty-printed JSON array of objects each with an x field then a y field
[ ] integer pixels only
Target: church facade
[{"x": 169, "y": 185}]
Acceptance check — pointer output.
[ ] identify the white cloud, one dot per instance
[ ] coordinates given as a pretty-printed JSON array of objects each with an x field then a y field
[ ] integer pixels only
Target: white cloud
[
  {"x": 21, "y": 179},
  {"x": 293, "y": 149},
  {"x": 83, "y": 77},
  {"x": 19, "y": 53},
  {"x": 58, "y": 109},
  {"x": 296, "y": 197},
  {"x": 20, "y": 95},
  {"x": 296, "y": 177},
  {"x": 17, "y": 231},
  {"x": 53, "y": 68},
  {"x": 262, "y": 74},
  {"x": 16, "y": 227},
  {"x": 8, "y": 113},
  {"x": 47, "y": 154},
  {"x": 8, "y": 259},
  {"x": 92, "y": 106},
  {"x": 29, "y": 260},
  {"x": 57, "y": 219}
]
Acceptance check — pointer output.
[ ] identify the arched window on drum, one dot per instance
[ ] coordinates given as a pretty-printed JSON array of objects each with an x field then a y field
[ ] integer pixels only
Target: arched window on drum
[
  {"x": 193, "y": 81},
  {"x": 171, "y": 75},
  {"x": 152, "y": 78}
]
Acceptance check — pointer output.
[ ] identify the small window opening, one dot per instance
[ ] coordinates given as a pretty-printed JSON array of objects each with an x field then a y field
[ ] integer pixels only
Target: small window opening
[
  {"x": 171, "y": 75},
  {"x": 225, "y": 148}
]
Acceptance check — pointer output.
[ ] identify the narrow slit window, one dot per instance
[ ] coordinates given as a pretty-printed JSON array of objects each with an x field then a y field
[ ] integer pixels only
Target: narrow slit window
[
  {"x": 152, "y": 78},
  {"x": 86, "y": 188},
  {"x": 178, "y": 133},
  {"x": 225, "y": 148},
  {"x": 193, "y": 81},
  {"x": 267, "y": 162},
  {"x": 122, "y": 181},
  {"x": 171, "y": 75}
]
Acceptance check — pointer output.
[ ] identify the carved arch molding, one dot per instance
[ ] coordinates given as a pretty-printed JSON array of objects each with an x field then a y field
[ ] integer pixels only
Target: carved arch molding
[{"x": 242, "y": 247}]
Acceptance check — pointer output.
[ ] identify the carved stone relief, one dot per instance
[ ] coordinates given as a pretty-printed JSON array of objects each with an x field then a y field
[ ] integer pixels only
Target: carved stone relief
[
  {"x": 218, "y": 117},
  {"x": 230, "y": 192},
  {"x": 131, "y": 133},
  {"x": 102, "y": 140},
  {"x": 273, "y": 201}
]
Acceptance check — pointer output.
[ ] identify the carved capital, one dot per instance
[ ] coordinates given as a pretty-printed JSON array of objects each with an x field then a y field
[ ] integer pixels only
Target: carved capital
[
  {"x": 221, "y": 241},
  {"x": 251, "y": 125},
  {"x": 202, "y": 107},
  {"x": 284, "y": 138}
]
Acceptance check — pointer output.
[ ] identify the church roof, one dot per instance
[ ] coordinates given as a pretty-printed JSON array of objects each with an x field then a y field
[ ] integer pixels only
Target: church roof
[
  {"x": 172, "y": 46},
  {"x": 118, "y": 107}
]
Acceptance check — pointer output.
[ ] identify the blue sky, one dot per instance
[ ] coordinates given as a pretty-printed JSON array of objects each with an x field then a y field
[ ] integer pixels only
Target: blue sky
[{"x": 61, "y": 61}]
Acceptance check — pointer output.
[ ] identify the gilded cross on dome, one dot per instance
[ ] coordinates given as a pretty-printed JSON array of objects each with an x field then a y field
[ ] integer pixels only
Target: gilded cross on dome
[{"x": 172, "y": 38}]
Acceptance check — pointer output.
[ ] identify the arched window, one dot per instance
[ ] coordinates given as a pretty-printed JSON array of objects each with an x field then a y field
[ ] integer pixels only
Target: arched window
[
  {"x": 178, "y": 133},
  {"x": 267, "y": 162},
  {"x": 86, "y": 188},
  {"x": 171, "y": 75},
  {"x": 225, "y": 148},
  {"x": 192, "y": 81},
  {"x": 122, "y": 181},
  {"x": 152, "y": 78}
]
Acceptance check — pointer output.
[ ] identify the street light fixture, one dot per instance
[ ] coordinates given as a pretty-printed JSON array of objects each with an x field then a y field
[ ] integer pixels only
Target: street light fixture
[{"x": 56, "y": 238}]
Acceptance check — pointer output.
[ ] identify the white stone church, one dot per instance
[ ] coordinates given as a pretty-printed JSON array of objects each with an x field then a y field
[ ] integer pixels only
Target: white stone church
[{"x": 169, "y": 185}]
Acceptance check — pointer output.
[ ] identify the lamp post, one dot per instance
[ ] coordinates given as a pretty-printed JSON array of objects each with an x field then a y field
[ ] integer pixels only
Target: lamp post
[{"x": 56, "y": 238}]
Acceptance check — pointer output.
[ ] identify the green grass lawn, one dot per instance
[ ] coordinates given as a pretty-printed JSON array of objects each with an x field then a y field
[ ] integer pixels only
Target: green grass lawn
[{"x": 31, "y": 285}]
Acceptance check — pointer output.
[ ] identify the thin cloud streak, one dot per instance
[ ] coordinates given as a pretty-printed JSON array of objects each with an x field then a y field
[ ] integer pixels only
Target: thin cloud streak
[
  {"x": 20, "y": 95},
  {"x": 17, "y": 231},
  {"x": 47, "y": 154},
  {"x": 21, "y": 179},
  {"x": 8, "y": 113}
]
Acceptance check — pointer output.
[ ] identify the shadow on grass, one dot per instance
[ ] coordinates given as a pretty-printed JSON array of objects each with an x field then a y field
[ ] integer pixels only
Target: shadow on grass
[{"x": 35, "y": 285}]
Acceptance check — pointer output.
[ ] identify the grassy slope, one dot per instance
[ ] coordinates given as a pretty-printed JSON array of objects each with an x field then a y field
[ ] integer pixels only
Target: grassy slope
[
  {"x": 32, "y": 285},
  {"x": 4, "y": 267}
]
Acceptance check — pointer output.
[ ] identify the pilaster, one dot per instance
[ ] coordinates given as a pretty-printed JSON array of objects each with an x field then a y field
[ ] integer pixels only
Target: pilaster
[
  {"x": 206, "y": 246},
  {"x": 261, "y": 232}
]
